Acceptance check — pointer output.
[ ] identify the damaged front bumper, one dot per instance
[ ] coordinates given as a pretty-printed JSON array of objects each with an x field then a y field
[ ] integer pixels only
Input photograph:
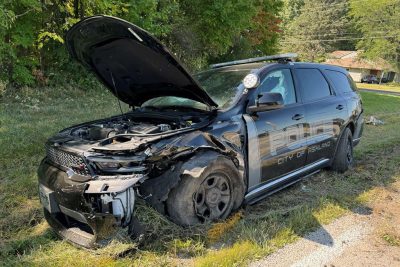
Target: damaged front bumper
[{"x": 88, "y": 212}]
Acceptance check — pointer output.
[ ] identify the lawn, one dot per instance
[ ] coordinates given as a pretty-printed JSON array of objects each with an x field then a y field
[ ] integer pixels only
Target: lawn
[
  {"x": 27, "y": 119},
  {"x": 388, "y": 87}
]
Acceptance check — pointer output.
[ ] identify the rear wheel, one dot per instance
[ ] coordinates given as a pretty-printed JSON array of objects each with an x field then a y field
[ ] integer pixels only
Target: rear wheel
[
  {"x": 344, "y": 159},
  {"x": 209, "y": 197}
]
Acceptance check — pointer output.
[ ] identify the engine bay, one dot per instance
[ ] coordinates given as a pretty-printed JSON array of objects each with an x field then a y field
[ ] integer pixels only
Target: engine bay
[{"x": 126, "y": 124}]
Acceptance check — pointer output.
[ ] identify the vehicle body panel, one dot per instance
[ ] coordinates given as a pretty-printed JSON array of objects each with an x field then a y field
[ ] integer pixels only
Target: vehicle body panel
[
  {"x": 132, "y": 64},
  {"x": 93, "y": 171}
]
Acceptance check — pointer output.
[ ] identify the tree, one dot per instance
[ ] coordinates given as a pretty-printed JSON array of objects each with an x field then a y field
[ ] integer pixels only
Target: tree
[
  {"x": 33, "y": 32},
  {"x": 263, "y": 34},
  {"x": 379, "y": 23},
  {"x": 291, "y": 10},
  {"x": 320, "y": 27},
  {"x": 197, "y": 31},
  {"x": 17, "y": 55}
]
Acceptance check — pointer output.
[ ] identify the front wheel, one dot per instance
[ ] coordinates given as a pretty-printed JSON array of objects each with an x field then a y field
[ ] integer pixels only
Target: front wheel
[
  {"x": 344, "y": 159},
  {"x": 209, "y": 197}
]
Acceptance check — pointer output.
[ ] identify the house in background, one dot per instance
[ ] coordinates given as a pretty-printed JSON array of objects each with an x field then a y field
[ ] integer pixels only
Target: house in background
[{"x": 359, "y": 68}]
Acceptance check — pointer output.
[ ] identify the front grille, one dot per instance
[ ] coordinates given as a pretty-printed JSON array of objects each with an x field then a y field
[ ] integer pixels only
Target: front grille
[{"x": 67, "y": 160}]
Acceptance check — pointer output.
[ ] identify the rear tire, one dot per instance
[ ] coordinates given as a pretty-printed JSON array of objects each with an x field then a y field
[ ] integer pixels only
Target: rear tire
[
  {"x": 209, "y": 197},
  {"x": 344, "y": 159}
]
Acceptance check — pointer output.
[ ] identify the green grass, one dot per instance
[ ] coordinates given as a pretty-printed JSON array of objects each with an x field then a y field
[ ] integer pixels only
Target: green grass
[
  {"x": 390, "y": 87},
  {"x": 28, "y": 118},
  {"x": 391, "y": 239}
]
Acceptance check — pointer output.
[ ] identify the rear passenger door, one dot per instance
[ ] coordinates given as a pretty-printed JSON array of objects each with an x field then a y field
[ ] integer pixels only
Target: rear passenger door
[
  {"x": 325, "y": 112},
  {"x": 344, "y": 85}
]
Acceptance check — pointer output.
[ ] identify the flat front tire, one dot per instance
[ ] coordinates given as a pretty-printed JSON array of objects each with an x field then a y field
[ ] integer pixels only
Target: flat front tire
[{"x": 209, "y": 197}]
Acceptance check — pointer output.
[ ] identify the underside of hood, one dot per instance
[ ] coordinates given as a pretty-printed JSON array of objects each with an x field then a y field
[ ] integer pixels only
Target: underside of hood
[{"x": 133, "y": 65}]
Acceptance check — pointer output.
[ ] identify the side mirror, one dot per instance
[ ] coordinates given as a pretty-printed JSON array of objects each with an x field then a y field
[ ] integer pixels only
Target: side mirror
[{"x": 267, "y": 101}]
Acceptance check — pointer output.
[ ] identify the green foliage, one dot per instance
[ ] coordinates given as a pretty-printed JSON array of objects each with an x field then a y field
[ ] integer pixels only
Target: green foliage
[
  {"x": 45, "y": 36},
  {"x": 197, "y": 31},
  {"x": 213, "y": 22},
  {"x": 259, "y": 34},
  {"x": 312, "y": 27},
  {"x": 379, "y": 22},
  {"x": 290, "y": 11}
]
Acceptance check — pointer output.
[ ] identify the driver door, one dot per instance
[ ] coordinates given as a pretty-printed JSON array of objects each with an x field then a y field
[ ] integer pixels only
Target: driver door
[{"x": 280, "y": 132}]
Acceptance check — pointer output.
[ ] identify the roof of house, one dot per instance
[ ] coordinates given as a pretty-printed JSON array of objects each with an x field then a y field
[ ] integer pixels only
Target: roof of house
[
  {"x": 340, "y": 53},
  {"x": 350, "y": 59}
]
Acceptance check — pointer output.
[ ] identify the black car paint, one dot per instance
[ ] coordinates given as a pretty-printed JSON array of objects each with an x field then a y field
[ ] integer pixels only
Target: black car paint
[
  {"x": 228, "y": 132},
  {"x": 337, "y": 112},
  {"x": 242, "y": 136},
  {"x": 124, "y": 56}
]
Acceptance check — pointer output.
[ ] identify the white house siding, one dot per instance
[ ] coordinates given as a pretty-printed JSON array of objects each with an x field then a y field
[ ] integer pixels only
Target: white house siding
[
  {"x": 357, "y": 74},
  {"x": 397, "y": 78}
]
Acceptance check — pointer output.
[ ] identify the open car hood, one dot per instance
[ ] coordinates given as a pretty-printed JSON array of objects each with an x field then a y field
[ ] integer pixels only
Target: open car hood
[{"x": 133, "y": 65}]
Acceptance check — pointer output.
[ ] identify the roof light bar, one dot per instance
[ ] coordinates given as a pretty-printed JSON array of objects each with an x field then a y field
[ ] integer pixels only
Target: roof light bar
[{"x": 280, "y": 57}]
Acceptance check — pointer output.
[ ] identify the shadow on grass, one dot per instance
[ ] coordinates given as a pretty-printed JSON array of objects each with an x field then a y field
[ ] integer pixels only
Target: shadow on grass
[
  {"x": 320, "y": 199},
  {"x": 13, "y": 250},
  {"x": 271, "y": 223},
  {"x": 291, "y": 213}
]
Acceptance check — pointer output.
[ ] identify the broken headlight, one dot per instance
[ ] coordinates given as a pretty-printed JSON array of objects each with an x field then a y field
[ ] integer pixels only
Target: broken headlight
[
  {"x": 114, "y": 167},
  {"x": 118, "y": 164},
  {"x": 108, "y": 165}
]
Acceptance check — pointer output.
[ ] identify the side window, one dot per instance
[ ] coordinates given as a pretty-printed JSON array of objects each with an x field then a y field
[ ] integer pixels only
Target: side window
[
  {"x": 340, "y": 81},
  {"x": 352, "y": 83},
  {"x": 279, "y": 81},
  {"x": 313, "y": 84}
]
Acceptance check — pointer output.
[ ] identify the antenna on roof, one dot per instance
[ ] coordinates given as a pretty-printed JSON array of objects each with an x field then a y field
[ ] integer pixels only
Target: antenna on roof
[{"x": 281, "y": 58}]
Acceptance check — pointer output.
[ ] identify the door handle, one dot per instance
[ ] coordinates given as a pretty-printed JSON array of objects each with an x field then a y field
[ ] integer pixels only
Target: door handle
[
  {"x": 298, "y": 117},
  {"x": 339, "y": 107}
]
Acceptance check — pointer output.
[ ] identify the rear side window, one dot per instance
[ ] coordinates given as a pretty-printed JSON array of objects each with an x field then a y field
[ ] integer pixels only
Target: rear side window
[
  {"x": 340, "y": 81},
  {"x": 352, "y": 83},
  {"x": 312, "y": 84}
]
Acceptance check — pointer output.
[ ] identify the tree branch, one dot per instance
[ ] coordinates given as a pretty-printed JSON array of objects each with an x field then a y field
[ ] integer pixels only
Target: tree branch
[{"x": 23, "y": 14}]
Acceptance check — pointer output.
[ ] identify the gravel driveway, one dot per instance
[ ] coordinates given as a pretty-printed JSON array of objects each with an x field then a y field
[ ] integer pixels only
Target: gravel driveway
[{"x": 357, "y": 239}]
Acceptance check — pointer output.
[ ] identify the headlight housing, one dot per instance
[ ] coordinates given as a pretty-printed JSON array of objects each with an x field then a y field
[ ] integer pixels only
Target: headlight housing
[
  {"x": 117, "y": 164},
  {"x": 107, "y": 165}
]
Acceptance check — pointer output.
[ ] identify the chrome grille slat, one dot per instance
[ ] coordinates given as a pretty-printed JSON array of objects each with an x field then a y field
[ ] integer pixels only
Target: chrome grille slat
[{"x": 67, "y": 160}]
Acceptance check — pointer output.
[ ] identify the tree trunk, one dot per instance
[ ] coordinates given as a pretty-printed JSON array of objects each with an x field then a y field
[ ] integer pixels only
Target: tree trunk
[
  {"x": 81, "y": 9},
  {"x": 76, "y": 8}
]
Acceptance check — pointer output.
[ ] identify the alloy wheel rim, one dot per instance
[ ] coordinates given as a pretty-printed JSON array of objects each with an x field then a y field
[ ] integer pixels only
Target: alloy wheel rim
[{"x": 213, "y": 197}]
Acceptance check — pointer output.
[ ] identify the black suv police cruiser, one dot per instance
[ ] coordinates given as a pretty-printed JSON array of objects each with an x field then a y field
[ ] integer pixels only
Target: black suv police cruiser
[{"x": 195, "y": 147}]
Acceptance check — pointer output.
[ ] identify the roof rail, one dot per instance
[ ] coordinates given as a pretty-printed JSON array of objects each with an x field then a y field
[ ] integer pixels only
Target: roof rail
[{"x": 283, "y": 58}]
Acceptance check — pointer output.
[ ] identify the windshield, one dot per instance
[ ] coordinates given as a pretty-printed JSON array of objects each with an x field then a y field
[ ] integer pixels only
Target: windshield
[{"x": 220, "y": 84}]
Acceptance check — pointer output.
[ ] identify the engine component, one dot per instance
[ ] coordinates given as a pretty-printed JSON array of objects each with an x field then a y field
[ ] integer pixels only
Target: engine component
[
  {"x": 97, "y": 132},
  {"x": 128, "y": 125},
  {"x": 144, "y": 128},
  {"x": 164, "y": 127},
  {"x": 121, "y": 204}
]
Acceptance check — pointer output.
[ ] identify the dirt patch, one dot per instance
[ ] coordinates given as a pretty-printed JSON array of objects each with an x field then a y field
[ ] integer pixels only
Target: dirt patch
[{"x": 367, "y": 237}]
